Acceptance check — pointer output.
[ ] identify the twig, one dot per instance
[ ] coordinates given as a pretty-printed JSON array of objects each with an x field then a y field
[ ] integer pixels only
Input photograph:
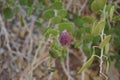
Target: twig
[
  {"x": 51, "y": 74},
  {"x": 6, "y": 33},
  {"x": 34, "y": 59},
  {"x": 69, "y": 4},
  {"x": 83, "y": 6},
  {"x": 84, "y": 60},
  {"x": 67, "y": 63},
  {"x": 66, "y": 72}
]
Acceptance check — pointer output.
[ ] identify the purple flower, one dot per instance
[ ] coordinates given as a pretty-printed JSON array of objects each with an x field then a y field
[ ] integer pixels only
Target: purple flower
[{"x": 64, "y": 38}]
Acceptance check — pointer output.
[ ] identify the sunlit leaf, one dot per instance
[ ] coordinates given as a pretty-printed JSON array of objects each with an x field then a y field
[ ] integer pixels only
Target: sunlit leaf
[
  {"x": 105, "y": 41},
  {"x": 98, "y": 5},
  {"x": 112, "y": 12},
  {"x": 87, "y": 64},
  {"x": 69, "y": 26},
  {"x": 107, "y": 48},
  {"x": 116, "y": 18},
  {"x": 56, "y": 5},
  {"x": 97, "y": 29},
  {"x": 53, "y": 53},
  {"x": 62, "y": 13},
  {"x": 56, "y": 20},
  {"x": 107, "y": 66},
  {"x": 48, "y": 14},
  {"x": 51, "y": 32}
]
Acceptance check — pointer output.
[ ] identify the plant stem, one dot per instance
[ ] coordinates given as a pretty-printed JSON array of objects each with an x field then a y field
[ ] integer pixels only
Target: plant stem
[
  {"x": 101, "y": 59},
  {"x": 67, "y": 63},
  {"x": 36, "y": 53}
]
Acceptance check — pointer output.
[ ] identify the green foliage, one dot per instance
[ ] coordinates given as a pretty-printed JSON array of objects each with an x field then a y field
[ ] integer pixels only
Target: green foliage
[
  {"x": 51, "y": 32},
  {"x": 87, "y": 64},
  {"x": 55, "y": 50},
  {"x": 116, "y": 18},
  {"x": 7, "y": 13},
  {"x": 111, "y": 12},
  {"x": 105, "y": 41},
  {"x": 48, "y": 14},
  {"x": 83, "y": 34},
  {"x": 26, "y": 2},
  {"x": 107, "y": 48},
  {"x": 56, "y": 20},
  {"x": 98, "y": 5},
  {"x": 56, "y": 5},
  {"x": 62, "y": 13},
  {"x": 98, "y": 27},
  {"x": 69, "y": 26},
  {"x": 53, "y": 53},
  {"x": 87, "y": 50},
  {"x": 115, "y": 58}
]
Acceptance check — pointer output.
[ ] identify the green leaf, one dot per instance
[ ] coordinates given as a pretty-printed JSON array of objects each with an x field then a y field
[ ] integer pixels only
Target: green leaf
[
  {"x": 51, "y": 32},
  {"x": 98, "y": 5},
  {"x": 77, "y": 44},
  {"x": 107, "y": 66},
  {"x": 78, "y": 20},
  {"x": 87, "y": 50},
  {"x": 112, "y": 12},
  {"x": 95, "y": 39},
  {"x": 30, "y": 2},
  {"x": 56, "y": 5},
  {"x": 69, "y": 26},
  {"x": 108, "y": 7},
  {"x": 93, "y": 28},
  {"x": 116, "y": 18},
  {"x": 26, "y": 2},
  {"x": 105, "y": 41},
  {"x": 88, "y": 19},
  {"x": 23, "y": 2},
  {"x": 62, "y": 13},
  {"x": 117, "y": 64},
  {"x": 41, "y": 1},
  {"x": 10, "y": 2},
  {"x": 87, "y": 64},
  {"x": 16, "y": 9},
  {"x": 48, "y": 14},
  {"x": 38, "y": 23},
  {"x": 7, "y": 13},
  {"x": 53, "y": 53},
  {"x": 30, "y": 11},
  {"x": 56, "y": 20},
  {"x": 107, "y": 48},
  {"x": 97, "y": 29},
  {"x": 21, "y": 21}
]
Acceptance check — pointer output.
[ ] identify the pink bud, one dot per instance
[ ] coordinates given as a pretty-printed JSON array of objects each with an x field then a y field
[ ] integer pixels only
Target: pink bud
[{"x": 64, "y": 38}]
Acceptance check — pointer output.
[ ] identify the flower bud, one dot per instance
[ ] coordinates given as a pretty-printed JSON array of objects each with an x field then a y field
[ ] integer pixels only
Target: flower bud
[{"x": 64, "y": 38}]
